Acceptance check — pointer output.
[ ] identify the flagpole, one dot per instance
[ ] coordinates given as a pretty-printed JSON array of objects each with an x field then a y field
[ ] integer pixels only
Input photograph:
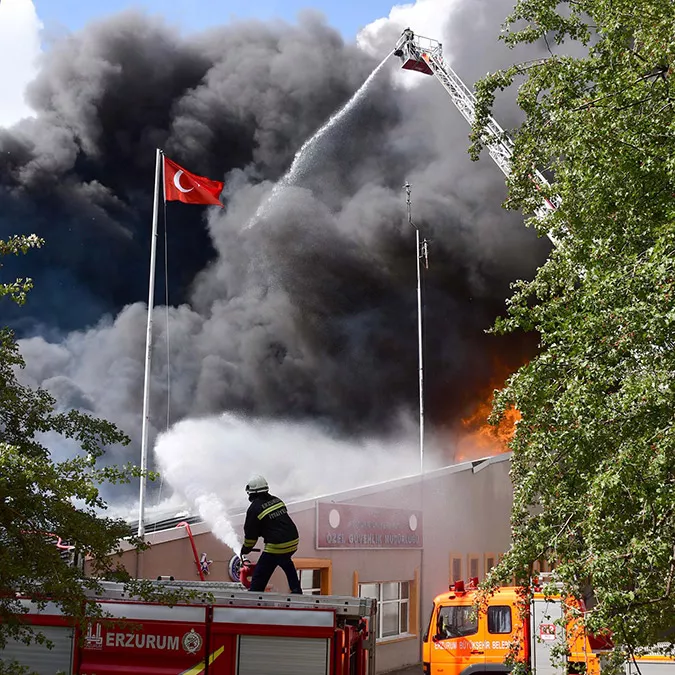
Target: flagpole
[{"x": 148, "y": 347}]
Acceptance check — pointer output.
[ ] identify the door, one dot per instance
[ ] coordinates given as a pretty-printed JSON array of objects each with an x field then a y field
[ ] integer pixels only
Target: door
[
  {"x": 457, "y": 640},
  {"x": 502, "y": 626},
  {"x": 142, "y": 637},
  {"x": 547, "y": 634}
]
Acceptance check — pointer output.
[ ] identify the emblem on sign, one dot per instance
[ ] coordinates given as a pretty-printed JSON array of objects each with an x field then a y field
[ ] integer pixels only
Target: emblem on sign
[
  {"x": 192, "y": 642},
  {"x": 93, "y": 638},
  {"x": 547, "y": 631}
]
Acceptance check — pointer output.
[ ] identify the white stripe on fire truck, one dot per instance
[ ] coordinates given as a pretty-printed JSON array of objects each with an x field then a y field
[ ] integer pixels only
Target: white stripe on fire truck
[
  {"x": 51, "y": 608},
  {"x": 274, "y": 617},
  {"x": 141, "y": 612}
]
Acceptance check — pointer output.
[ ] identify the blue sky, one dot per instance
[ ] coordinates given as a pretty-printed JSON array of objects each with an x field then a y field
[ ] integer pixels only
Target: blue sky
[
  {"x": 348, "y": 16},
  {"x": 30, "y": 27}
]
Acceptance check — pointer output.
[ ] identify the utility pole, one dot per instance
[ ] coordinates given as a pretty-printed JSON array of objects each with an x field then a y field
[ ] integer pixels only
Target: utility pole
[{"x": 421, "y": 252}]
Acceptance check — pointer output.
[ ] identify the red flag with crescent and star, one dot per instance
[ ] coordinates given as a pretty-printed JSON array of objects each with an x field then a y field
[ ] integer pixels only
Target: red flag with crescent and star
[{"x": 182, "y": 186}]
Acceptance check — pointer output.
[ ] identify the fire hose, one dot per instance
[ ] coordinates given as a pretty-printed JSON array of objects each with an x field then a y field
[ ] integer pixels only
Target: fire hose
[{"x": 239, "y": 570}]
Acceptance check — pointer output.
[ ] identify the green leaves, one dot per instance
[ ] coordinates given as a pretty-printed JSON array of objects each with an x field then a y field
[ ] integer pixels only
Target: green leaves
[
  {"x": 42, "y": 500},
  {"x": 18, "y": 288},
  {"x": 594, "y": 458}
]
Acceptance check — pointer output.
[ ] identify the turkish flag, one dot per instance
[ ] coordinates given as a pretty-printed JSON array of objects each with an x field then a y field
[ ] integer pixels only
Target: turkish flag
[{"x": 182, "y": 186}]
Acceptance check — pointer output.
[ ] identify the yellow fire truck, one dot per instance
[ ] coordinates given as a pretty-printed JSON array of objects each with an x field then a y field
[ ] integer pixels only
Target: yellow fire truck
[{"x": 461, "y": 641}]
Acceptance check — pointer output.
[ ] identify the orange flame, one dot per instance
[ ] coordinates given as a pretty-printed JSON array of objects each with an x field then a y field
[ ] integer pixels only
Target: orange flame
[
  {"x": 487, "y": 439},
  {"x": 478, "y": 438}
]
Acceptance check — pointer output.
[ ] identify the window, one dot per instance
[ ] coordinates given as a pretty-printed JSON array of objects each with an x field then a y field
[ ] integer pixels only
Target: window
[
  {"x": 315, "y": 575},
  {"x": 490, "y": 562},
  {"x": 499, "y": 619},
  {"x": 455, "y": 568},
  {"x": 473, "y": 566},
  {"x": 457, "y": 621},
  {"x": 393, "y": 606},
  {"x": 310, "y": 581}
]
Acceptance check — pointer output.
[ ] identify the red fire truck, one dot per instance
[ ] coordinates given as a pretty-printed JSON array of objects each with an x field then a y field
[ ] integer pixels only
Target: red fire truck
[{"x": 237, "y": 633}]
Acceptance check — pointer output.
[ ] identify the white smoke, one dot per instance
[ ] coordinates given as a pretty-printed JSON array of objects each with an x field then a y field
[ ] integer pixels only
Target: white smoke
[
  {"x": 19, "y": 51},
  {"x": 430, "y": 18},
  {"x": 209, "y": 461},
  {"x": 211, "y": 508}
]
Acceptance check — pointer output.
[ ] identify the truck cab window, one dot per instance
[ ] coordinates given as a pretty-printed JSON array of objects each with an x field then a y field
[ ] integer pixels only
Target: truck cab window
[
  {"x": 499, "y": 619},
  {"x": 456, "y": 622}
]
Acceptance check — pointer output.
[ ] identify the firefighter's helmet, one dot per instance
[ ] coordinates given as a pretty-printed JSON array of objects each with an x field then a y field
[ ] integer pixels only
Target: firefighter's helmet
[{"x": 257, "y": 484}]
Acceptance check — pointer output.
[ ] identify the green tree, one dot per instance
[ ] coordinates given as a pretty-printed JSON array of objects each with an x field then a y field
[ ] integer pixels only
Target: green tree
[
  {"x": 593, "y": 463},
  {"x": 42, "y": 499}
]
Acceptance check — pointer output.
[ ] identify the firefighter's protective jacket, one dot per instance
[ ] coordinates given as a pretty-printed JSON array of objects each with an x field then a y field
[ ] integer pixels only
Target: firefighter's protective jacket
[{"x": 268, "y": 518}]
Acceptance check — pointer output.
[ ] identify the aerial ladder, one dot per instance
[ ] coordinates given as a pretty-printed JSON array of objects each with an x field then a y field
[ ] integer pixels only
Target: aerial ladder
[{"x": 425, "y": 55}]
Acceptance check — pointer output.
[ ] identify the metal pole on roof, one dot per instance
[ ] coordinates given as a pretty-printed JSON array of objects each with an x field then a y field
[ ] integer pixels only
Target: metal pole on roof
[{"x": 420, "y": 252}]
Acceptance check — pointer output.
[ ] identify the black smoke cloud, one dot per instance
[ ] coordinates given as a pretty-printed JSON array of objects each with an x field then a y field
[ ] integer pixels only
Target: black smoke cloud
[
  {"x": 81, "y": 172},
  {"x": 309, "y": 314}
]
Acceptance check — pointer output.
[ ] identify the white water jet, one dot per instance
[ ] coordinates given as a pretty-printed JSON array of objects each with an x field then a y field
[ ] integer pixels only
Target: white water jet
[
  {"x": 308, "y": 150},
  {"x": 208, "y": 462},
  {"x": 211, "y": 508}
]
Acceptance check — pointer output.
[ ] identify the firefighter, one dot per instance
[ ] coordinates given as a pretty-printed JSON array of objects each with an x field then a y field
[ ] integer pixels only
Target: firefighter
[{"x": 267, "y": 517}]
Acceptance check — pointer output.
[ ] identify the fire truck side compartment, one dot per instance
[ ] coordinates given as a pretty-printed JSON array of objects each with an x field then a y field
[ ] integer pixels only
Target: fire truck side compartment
[
  {"x": 39, "y": 658},
  {"x": 271, "y": 655},
  {"x": 545, "y": 634}
]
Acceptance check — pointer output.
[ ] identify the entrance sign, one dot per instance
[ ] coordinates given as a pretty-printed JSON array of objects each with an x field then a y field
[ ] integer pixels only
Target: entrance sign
[{"x": 367, "y": 527}]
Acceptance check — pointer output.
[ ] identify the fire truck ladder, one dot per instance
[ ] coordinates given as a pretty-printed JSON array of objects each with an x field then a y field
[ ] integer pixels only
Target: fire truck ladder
[
  {"x": 426, "y": 56},
  {"x": 229, "y": 593}
]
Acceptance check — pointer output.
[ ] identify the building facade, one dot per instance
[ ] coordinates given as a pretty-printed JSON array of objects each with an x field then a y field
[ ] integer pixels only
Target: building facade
[{"x": 402, "y": 542}]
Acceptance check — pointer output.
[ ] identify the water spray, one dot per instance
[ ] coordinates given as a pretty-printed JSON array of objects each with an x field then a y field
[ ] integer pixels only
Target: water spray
[{"x": 308, "y": 149}]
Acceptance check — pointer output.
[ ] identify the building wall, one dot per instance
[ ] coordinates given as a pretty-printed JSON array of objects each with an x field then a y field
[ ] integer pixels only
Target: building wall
[{"x": 466, "y": 512}]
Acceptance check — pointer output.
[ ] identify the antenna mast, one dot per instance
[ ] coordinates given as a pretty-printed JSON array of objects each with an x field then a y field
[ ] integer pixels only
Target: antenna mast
[{"x": 420, "y": 252}]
